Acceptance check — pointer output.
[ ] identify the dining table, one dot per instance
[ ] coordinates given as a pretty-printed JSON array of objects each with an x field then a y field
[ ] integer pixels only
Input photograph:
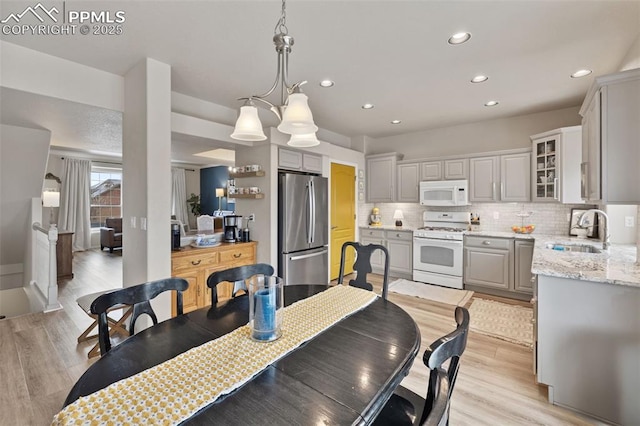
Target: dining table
[{"x": 344, "y": 375}]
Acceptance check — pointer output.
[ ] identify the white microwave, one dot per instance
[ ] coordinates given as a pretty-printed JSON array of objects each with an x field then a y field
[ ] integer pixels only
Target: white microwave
[{"x": 444, "y": 193}]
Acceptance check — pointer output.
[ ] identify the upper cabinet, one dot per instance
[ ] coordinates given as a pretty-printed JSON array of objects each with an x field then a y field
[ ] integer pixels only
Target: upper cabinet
[
  {"x": 556, "y": 165},
  {"x": 408, "y": 183},
  {"x": 445, "y": 169},
  {"x": 381, "y": 177},
  {"x": 611, "y": 139},
  {"x": 297, "y": 160},
  {"x": 500, "y": 178}
]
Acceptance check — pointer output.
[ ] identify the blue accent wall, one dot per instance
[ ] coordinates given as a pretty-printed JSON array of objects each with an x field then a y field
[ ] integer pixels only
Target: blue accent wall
[{"x": 210, "y": 179}]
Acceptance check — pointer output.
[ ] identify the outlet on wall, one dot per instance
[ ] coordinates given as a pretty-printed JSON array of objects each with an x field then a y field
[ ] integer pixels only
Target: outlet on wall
[
  {"x": 628, "y": 221},
  {"x": 496, "y": 215},
  {"x": 252, "y": 217},
  {"x": 133, "y": 222}
]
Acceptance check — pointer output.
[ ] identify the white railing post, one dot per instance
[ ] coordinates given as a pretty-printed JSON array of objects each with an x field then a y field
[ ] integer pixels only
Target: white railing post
[{"x": 52, "y": 289}]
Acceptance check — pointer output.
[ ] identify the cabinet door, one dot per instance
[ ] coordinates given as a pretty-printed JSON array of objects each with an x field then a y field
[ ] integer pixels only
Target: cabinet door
[
  {"x": 408, "y": 181},
  {"x": 191, "y": 296},
  {"x": 515, "y": 177},
  {"x": 523, "y": 258},
  {"x": 312, "y": 163},
  {"x": 289, "y": 159},
  {"x": 487, "y": 267},
  {"x": 484, "y": 179},
  {"x": 546, "y": 164},
  {"x": 456, "y": 169},
  {"x": 400, "y": 255},
  {"x": 381, "y": 179},
  {"x": 377, "y": 257},
  {"x": 431, "y": 170},
  {"x": 590, "y": 167}
]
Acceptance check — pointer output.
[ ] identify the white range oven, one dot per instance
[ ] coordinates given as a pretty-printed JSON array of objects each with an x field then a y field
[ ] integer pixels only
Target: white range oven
[{"x": 437, "y": 248}]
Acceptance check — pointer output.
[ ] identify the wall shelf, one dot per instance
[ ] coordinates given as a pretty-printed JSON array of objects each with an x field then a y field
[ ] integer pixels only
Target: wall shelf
[
  {"x": 259, "y": 173},
  {"x": 256, "y": 196}
]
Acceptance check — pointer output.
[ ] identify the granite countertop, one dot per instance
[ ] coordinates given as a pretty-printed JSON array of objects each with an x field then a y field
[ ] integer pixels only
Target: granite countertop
[
  {"x": 390, "y": 228},
  {"x": 501, "y": 234},
  {"x": 617, "y": 266}
]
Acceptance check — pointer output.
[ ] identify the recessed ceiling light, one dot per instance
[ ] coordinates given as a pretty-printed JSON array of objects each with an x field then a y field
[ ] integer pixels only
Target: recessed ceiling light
[
  {"x": 580, "y": 73},
  {"x": 327, "y": 83},
  {"x": 396, "y": 121},
  {"x": 491, "y": 103},
  {"x": 367, "y": 106},
  {"x": 459, "y": 38},
  {"x": 479, "y": 79}
]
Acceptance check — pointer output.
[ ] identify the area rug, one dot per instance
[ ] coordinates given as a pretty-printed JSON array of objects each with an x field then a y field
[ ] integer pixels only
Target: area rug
[
  {"x": 450, "y": 296},
  {"x": 506, "y": 322}
]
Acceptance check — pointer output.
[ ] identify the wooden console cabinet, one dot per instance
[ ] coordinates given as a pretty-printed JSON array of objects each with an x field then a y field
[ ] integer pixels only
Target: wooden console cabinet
[
  {"x": 64, "y": 255},
  {"x": 196, "y": 264}
]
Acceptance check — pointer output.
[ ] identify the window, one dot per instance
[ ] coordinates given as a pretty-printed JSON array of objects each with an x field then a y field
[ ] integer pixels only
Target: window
[{"x": 106, "y": 201}]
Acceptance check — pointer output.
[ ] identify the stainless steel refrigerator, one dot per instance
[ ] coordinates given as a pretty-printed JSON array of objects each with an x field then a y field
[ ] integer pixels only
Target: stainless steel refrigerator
[{"x": 303, "y": 234}]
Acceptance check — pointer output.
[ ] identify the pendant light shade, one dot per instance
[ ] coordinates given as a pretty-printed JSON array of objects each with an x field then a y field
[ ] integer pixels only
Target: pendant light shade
[
  {"x": 297, "y": 118},
  {"x": 248, "y": 127},
  {"x": 303, "y": 141}
]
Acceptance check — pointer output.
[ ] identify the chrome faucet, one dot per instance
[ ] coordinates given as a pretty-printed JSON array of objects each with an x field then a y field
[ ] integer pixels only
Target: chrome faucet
[{"x": 605, "y": 229}]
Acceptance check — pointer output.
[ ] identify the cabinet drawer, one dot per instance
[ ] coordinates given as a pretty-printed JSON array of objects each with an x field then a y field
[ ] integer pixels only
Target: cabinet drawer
[
  {"x": 239, "y": 254},
  {"x": 488, "y": 242},
  {"x": 188, "y": 263},
  {"x": 371, "y": 233},
  {"x": 400, "y": 235}
]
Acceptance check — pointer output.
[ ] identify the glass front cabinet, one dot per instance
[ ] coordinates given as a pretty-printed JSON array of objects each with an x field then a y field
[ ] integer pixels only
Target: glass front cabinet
[{"x": 546, "y": 171}]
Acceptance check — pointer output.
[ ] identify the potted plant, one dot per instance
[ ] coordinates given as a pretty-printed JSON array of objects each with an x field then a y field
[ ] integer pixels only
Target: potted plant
[{"x": 194, "y": 203}]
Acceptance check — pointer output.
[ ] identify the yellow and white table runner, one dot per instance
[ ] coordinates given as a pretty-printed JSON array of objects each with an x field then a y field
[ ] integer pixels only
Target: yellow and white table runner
[{"x": 176, "y": 389}]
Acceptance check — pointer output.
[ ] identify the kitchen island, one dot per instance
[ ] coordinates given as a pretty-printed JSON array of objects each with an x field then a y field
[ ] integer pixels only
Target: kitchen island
[{"x": 588, "y": 328}]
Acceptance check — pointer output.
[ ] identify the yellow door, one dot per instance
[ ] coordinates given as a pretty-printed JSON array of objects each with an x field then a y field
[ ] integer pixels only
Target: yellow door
[{"x": 343, "y": 215}]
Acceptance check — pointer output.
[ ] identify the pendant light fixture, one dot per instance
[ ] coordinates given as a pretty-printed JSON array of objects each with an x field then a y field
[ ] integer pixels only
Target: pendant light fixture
[{"x": 293, "y": 111}]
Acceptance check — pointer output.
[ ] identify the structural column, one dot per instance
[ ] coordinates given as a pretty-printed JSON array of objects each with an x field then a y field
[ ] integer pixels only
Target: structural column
[{"x": 146, "y": 189}]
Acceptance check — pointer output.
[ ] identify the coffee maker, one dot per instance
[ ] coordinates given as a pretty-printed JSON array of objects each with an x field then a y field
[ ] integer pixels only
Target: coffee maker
[{"x": 232, "y": 225}]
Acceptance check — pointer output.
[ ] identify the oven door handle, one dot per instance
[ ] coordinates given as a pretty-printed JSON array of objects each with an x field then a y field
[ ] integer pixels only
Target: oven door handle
[{"x": 439, "y": 241}]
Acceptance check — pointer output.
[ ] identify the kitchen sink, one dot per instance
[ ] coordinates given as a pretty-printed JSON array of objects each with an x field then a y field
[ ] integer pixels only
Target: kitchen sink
[{"x": 576, "y": 248}]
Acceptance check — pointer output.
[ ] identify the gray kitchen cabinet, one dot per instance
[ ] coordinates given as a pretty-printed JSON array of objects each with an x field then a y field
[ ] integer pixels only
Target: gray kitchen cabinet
[
  {"x": 523, "y": 257},
  {"x": 400, "y": 247},
  {"x": 381, "y": 177},
  {"x": 399, "y": 244},
  {"x": 484, "y": 176},
  {"x": 431, "y": 170},
  {"x": 488, "y": 262},
  {"x": 515, "y": 177},
  {"x": 611, "y": 131},
  {"x": 456, "y": 169},
  {"x": 453, "y": 169},
  {"x": 374, "y": 236},
  {"x": 296, "y": 160},
  {"x": 500, "y": 178},
  {"x": 408, "y": 181},
  {"x": 556, "y": 165}
]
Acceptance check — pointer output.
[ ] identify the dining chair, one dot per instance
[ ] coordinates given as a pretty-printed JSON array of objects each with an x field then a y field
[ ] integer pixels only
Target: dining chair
[
  {"x": 407, "y": 408},
  {"x": 362, "y": 266},
  {"x": 116, "y": 325},
  {"x": 137, "y": 296},
  {"x": 237, "y": 276},
  {"x": 205, "y": 222}
]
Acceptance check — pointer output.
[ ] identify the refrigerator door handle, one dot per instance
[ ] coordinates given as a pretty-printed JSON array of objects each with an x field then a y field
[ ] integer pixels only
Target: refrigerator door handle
[
  {"x": 306, "y": 256},
  {"x": 313, "y": 212},
  {"x": 310, "y": 215}
]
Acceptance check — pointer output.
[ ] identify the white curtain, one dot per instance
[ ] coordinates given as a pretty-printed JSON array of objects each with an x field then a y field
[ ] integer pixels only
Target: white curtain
[
  {"x": 75, "y": 201},
  {"x": 179, "y": 196}
]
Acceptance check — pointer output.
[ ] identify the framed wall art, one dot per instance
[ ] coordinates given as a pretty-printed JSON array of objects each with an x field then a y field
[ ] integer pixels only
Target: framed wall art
[{"x": 591, "y": 223}]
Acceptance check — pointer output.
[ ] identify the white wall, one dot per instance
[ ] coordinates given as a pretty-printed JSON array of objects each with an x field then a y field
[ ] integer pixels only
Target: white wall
[
  {"x": 484, "y": 136},
  {"x": 23, "y": 159},
  {"x": 620, "y": 233}
]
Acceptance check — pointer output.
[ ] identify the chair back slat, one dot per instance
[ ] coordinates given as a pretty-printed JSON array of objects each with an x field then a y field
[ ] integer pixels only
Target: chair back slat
[
  {"x": 137, "y": 296},
  {"x": 362, "y": 266},
  {"x": 449, "y": 347},
  {"x": 237, "y": 276}
]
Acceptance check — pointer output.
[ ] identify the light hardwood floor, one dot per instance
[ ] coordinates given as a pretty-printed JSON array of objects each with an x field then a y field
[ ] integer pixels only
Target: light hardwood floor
[{"x": 40, "y": 359}]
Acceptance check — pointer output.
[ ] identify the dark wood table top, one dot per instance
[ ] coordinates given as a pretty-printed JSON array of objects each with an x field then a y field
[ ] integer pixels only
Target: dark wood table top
[{"x": 342, "y": 376}]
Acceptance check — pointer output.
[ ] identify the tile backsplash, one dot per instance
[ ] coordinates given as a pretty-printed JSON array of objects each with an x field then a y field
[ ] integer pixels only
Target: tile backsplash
[{"x": 549, "y": 218}]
